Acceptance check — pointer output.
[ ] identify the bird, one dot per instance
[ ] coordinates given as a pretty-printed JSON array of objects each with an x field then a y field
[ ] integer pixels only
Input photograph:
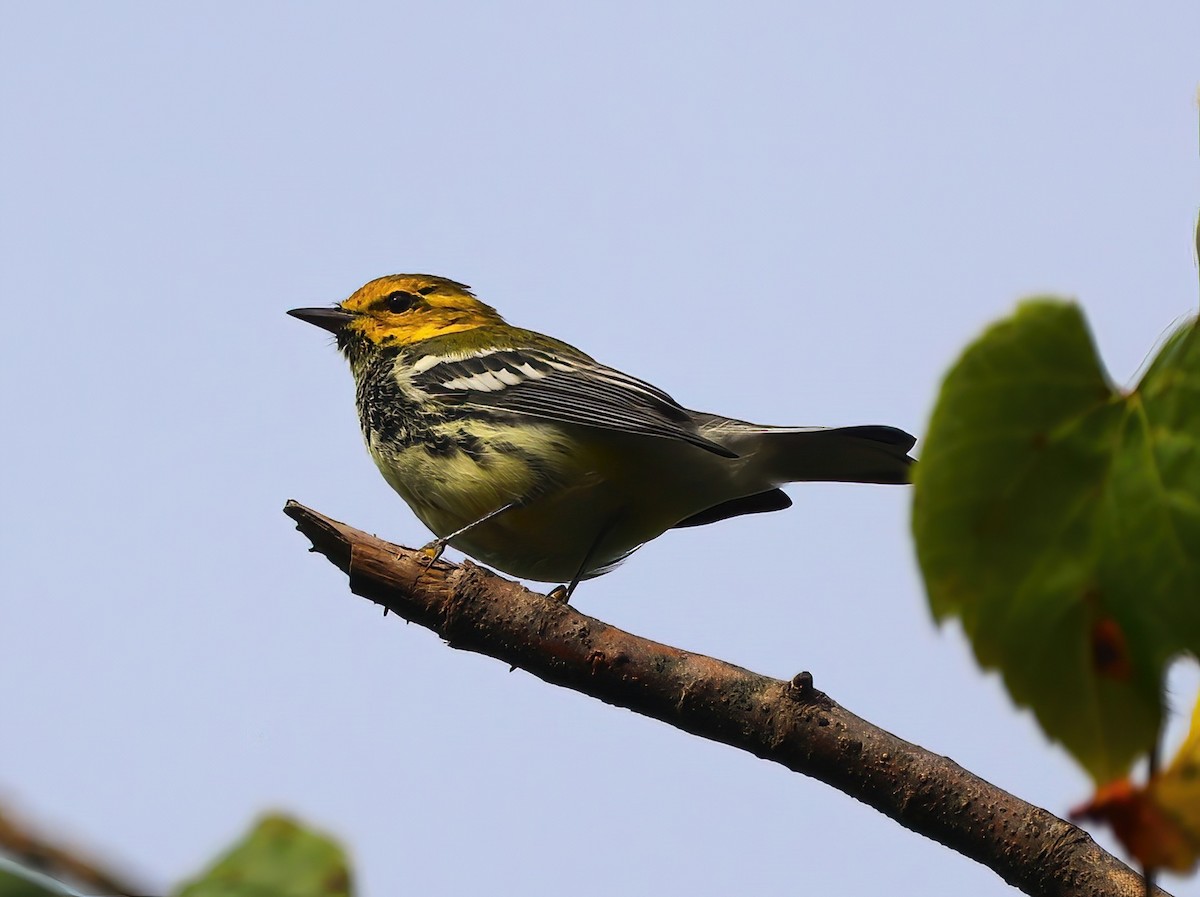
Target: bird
[{"x": 535, "y": 459}]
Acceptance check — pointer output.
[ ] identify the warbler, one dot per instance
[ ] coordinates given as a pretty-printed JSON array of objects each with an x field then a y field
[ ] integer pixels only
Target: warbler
[{"x": 530, "y": 456}]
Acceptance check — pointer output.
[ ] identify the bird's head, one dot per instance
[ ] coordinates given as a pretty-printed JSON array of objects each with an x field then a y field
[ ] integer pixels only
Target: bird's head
[{"x": 397, "y": 311}]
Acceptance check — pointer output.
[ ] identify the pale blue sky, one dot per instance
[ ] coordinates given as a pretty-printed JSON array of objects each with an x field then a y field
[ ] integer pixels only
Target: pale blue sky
[{"x": 794, "y": 213}]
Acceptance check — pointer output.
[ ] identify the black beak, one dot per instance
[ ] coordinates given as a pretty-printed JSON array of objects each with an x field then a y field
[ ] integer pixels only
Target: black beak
[{"x": 331, "y": 319}]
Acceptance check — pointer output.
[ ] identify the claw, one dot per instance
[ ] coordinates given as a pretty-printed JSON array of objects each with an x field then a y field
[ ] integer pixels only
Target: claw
[{"x": 433, "y": 551}]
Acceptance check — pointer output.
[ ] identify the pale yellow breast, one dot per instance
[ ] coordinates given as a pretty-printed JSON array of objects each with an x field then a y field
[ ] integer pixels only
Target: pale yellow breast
[{"x": 449, "y": 490}]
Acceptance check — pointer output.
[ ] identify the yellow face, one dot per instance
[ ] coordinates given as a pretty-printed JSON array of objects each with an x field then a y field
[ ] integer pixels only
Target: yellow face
[{"x": 402, "y": 309}]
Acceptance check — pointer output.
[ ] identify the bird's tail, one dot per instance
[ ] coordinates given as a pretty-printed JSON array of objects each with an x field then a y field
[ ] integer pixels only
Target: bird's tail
[
  {"x": 868, "y": 454},
  {"x": 872, "y": 454}
]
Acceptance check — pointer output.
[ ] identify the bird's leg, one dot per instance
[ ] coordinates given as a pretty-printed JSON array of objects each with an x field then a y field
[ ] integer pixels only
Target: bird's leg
[
  {"x": 563, "y": 593},
  {"x": 434, "y": 549}
]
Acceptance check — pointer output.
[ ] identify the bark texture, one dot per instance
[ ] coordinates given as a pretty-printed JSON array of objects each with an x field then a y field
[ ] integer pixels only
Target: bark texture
[{"x": 790, "y": 723}]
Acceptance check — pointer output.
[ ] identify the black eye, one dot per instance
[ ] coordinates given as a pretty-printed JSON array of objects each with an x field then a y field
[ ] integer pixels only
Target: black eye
[{"x": 400, "y": 301}]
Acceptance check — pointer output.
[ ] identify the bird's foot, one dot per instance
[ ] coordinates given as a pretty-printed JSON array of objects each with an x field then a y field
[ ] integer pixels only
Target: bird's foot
[
  {"x": 563, "y": 593},
  {"x": 432, "y": 551}
]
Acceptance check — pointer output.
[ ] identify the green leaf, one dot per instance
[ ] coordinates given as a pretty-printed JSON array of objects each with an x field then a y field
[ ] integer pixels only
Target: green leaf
[
  {"x": 1059, "y": 519},
  {"x": 277, "y": 858}
]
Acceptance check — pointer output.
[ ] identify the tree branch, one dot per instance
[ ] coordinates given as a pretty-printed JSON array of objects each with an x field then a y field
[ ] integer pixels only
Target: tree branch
[
  {"x": 60, "y": 862},
  {"x": 790, "y": 723}
]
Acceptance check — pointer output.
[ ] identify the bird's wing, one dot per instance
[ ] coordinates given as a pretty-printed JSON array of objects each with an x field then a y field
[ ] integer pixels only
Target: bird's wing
[{"x": 564, "y": 388}]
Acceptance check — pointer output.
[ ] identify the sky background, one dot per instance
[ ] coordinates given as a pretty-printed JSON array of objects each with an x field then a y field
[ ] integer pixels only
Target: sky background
[{"x": 791, "y": 213}]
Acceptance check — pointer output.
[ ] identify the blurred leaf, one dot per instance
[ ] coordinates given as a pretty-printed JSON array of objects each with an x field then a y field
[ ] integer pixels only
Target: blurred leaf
[
  {"x": 1059, "y": 519},
  {"x": 277, "y": 859},
  {"x": 17, "y": 882},
  {"x": 1177, "y": 791},
  {"x": 1159, "y": 824}
]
